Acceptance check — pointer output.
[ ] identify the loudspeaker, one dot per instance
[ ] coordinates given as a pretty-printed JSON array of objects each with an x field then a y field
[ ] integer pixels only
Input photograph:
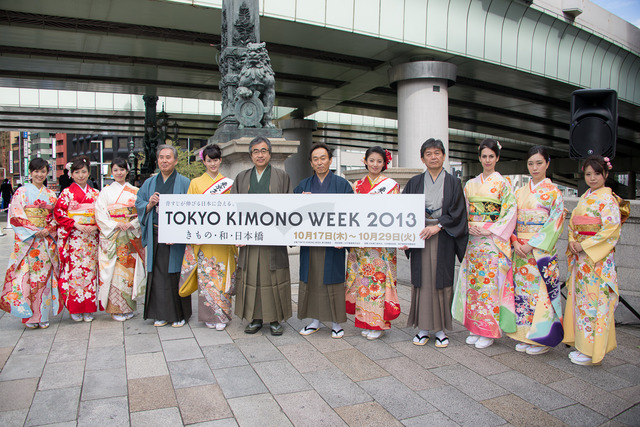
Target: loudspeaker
[{"x": 594, "y": 123}]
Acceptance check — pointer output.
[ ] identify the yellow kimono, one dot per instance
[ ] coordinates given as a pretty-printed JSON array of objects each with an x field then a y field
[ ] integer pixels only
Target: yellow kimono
[
  {"x": 213, "y": 265},
  {"x": 592, "y": 281}
]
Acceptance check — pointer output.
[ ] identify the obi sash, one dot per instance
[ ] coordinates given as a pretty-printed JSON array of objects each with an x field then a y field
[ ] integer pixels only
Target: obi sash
[
  {"x": 529, "y": 222},
  {"x": 37, "y": 214},
  {"x": 84, "y": 214},
  {"x": 585, "y": 227},
  {"x": 122, "y": 213},
  {"x": 482, "y": 209}
]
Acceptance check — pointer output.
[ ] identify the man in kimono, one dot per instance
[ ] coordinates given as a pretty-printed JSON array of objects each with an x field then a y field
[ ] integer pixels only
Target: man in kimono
[
  {"x": 263, "y": 283},
  {"x": 321, "y": 295},
  {"x": 164, "y": 261},
  {"x": 445, "y": 234}
]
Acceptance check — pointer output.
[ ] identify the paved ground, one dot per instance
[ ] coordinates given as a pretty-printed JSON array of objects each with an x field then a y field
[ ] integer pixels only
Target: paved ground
[{"x": 115, "y": 374}]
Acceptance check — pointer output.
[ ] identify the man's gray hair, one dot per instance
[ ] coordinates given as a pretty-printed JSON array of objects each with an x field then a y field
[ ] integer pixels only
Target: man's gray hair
[
  {"x": 170, "y": 147},
  {"x": 258, "y": 140}
]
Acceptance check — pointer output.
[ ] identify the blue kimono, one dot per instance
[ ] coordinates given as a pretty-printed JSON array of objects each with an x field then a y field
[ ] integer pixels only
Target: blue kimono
[
  {"x": 334, "y": 259},
  {"x": 180, "y": 186}
]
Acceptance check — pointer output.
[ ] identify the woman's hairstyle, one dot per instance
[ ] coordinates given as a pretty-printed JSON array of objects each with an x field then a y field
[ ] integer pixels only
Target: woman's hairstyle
[
  {"x": 386, "y": 156},
  {"x": 170, "y": 147},
  {"x": 79, "y": 163},
  {"x": 260, "y": 139},
  {"x": 598, "y": 163},
  {"x": 120, "y": 162},
  {"x": 492, "y": 145},
  {"x": 430, "y": 143},
  {"x": 37, "y": 164},
  {"x": 539, "y": 149},
  {"x": 211, "y": 151},
  {"x": 317, "y": 145}
]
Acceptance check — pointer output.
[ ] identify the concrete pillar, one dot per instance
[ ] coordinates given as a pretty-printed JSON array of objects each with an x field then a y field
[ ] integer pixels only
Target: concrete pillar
[
  {"x": 298, "y": 166},
  {"x": 423, "y": 107}
]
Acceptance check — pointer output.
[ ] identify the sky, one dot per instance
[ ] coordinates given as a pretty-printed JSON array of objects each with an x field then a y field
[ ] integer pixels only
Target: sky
[{"x": 629, "y": 10}]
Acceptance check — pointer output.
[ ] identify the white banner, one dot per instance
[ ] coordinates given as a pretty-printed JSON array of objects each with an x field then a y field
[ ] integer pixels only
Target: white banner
[{"x": 389, "y": 220}]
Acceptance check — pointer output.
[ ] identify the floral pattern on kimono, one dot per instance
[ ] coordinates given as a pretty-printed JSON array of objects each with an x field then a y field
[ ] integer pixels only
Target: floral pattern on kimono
[
  {"x": 30, "y": 288},
  {"x": 536, "y": 277},
  {"x": 121, "y": 257},
  {"x": 592, "y": 280},
  {"x": 214, "y": 265},
  {"x": 78, "y": 250},
  {"x": 483, "y": 298},
  {"x": 371, "y": 271}
]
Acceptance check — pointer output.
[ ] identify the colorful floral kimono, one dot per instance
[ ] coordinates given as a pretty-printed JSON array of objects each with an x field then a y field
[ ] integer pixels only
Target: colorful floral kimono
[
  {"x": 483, "y": 300},
  {"x": 536, "y": 285},
  {"x": 121, "y": 256},
  {"x": 371, "y": 272},
  {"x": 31, "y": 282},
  {"x": 592, "y": 281},
  {"x": 78, "y": 250},
  {"x": 213, "y": 265}
]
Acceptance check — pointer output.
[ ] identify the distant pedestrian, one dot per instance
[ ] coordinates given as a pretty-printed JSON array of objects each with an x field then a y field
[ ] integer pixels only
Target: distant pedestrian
[
  {"x": 7, "y": 191},
  {"x": 65, "y": 180}
]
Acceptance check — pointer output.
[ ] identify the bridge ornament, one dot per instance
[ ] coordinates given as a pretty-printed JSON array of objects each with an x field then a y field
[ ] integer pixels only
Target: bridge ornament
[{"x": 247, "y": 83}]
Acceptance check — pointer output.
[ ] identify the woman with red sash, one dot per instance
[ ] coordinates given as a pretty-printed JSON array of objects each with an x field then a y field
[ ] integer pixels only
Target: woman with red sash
[
  {"x": 78, "y": 243},
  {"x": 121, "y": 256},
  {"x": 212, "y": 266},
  {"x": 371, "y": 272}
]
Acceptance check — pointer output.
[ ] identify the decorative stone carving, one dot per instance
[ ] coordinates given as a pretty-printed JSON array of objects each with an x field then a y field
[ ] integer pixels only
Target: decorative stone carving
[
  {"x": 256, "y": 89},
  {"x": 247, "y": 83}
]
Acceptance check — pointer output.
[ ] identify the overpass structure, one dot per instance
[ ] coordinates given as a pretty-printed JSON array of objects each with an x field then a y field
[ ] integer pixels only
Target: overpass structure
[{"x": 517, "y": 63}]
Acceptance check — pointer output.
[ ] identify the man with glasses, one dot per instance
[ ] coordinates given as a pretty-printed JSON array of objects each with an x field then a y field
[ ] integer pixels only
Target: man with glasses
[{"x": 263, "y": 283}]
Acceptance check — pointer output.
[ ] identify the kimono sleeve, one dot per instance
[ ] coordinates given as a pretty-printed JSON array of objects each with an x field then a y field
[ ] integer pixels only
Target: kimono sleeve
[
  {"x": 597, "y": 247},
  {"x": 545, "y": 239},
  {"x": 61, "y": 210},
  {"x": 454, "y": 220},
  {"x": 103, "y": 219},
  {"x": 506, "y": 222},
  {"x": 141, "y": 202},
  {"x": 21, "y": 225}
]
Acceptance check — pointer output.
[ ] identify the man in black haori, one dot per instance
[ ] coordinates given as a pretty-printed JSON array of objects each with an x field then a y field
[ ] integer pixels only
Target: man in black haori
[{"x": 445, "y": 235}]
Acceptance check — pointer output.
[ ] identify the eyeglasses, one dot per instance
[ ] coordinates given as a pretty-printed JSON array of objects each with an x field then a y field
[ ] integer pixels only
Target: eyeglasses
[{"x": 261, "y": 151}]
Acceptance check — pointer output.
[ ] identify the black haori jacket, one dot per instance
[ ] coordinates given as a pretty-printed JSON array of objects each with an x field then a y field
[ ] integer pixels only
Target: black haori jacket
[{"x": 452, "y": 239}]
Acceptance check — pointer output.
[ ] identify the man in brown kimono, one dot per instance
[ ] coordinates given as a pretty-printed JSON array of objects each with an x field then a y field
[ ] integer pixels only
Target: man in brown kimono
[{"x": 263, "y": 283}]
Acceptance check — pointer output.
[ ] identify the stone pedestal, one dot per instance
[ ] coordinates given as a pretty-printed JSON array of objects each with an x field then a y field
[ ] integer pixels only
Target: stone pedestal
[
  {"x": 236, "y": 157},
  {"x": 298, "y": 166},
  {"x": 423, "y": 107}
]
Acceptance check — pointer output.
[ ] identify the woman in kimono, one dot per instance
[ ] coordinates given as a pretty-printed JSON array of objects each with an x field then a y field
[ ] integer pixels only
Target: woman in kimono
[
  {"x": 31, "y": 282},
  {"x": 594, "y": 230},
  {"x": 78, "y": 243},
  {"x": 371, "y": 272},
  {"x": 535, "y": 264},
  {"x": 212, "y": 266},
  {"x": 120, "y": 257},
  {"x": 483, "y": 299}
]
